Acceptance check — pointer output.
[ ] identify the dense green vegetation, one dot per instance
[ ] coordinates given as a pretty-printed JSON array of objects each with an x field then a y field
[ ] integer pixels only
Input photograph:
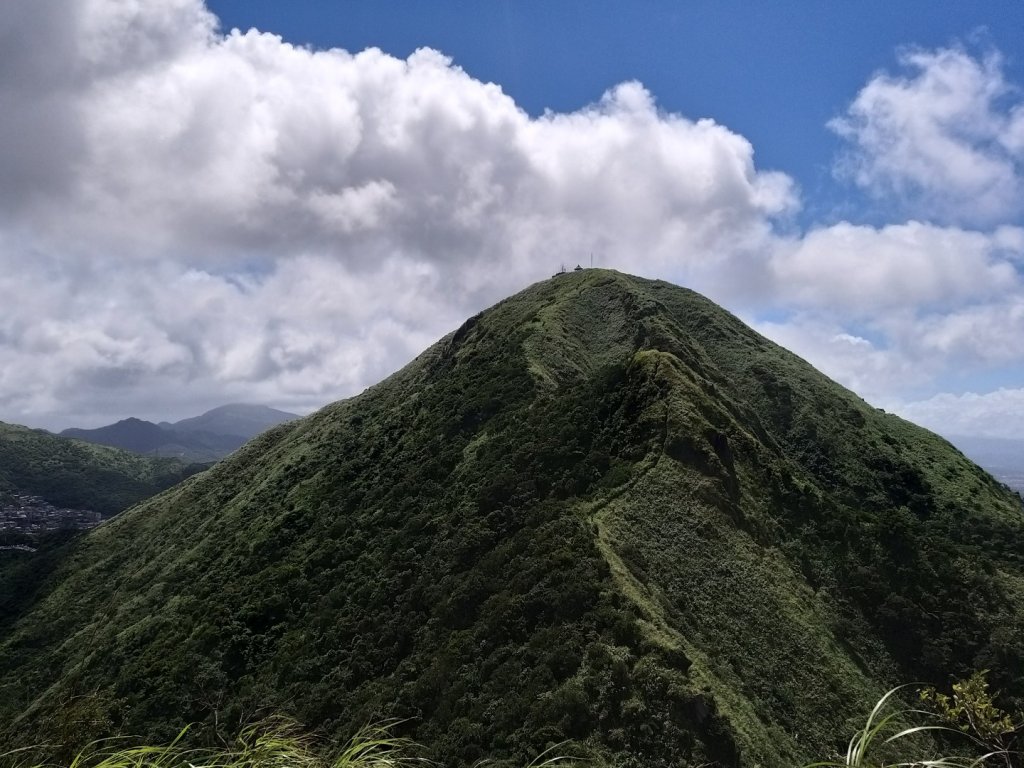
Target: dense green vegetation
[
  {"x": 69, "y": 473},
  {"x": 604, "y": 510},
  {"x": 65, "y": 473}
]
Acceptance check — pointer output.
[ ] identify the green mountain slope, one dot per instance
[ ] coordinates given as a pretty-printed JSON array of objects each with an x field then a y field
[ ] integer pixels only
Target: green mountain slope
[
  {"x": 70, "y": 473},
  {"x": 602, "y": 510},
  {"x": 57, "y": 481}
]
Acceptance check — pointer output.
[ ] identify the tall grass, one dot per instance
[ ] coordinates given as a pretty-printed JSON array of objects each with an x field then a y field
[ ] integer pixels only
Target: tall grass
[
  {"x": 886, "y": 741},
  {"x": 276, "y": 743}
]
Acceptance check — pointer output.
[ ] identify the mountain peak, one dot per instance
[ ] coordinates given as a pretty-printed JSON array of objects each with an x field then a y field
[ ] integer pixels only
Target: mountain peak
[
  {"x": 237, "y": 419},
  {"x": 602, "y": 510}
]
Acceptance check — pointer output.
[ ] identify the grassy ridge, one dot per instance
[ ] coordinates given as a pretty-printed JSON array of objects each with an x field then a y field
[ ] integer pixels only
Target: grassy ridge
[{"x": 603, "y": 510}]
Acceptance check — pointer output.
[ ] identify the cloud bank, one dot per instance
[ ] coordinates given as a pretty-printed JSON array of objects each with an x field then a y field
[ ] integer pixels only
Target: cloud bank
[
  {"x": 997, "y": 414},
  {"x": 944, "y": 139},
  {"x": 190, "y": 217}
]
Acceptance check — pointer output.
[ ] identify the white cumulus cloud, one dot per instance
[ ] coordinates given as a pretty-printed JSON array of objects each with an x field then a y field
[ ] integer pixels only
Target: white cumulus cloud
[
  {"x": 998, "y": 414},
  {"x": 188, "y": 216},
  {"x": 872, "y": 371},
  {"x": 937, "y": 302},
  {"x": 945, "y": 137},
  {"x": 864, "y": 270}
]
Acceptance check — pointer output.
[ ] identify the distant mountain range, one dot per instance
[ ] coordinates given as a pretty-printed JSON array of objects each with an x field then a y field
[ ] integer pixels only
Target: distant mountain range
[{"x": 208, "y": 437}]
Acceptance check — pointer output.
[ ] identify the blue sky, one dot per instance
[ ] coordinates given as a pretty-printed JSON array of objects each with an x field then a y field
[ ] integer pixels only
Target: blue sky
[
  {"x": 192, "y": 215},
  {"x": 774, "y": 72}
]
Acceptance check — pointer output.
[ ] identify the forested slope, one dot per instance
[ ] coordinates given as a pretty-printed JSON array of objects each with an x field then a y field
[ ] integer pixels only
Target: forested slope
[
  {"x": 70, "y": 473},
  {"x": 603, "y": 510}
]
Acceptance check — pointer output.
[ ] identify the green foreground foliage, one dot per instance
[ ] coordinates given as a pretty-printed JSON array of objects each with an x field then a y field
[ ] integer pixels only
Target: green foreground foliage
[
  {"x": 973, "y": 711},
  {"x": 69, "y": 474},
  {"x": 884, "y": 741},
  {"x": 603, "y": 511},
  {"x": 965, "y": 730},
  {"x": 275, "y": 743}
]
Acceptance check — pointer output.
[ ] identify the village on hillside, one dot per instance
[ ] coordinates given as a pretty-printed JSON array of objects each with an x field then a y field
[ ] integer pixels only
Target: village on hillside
[{"x": 25, "y": 514}]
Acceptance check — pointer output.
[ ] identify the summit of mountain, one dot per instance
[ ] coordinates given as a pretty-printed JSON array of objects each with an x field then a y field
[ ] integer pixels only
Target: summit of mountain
[
  {"x": 238, "y": 419},
  {"x": 129, "y": 434},
  {"x": 603, "y": 510}
]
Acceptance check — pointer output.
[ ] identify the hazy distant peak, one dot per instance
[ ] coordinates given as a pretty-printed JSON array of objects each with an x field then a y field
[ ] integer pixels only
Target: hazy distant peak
[
  {"x": 207, "y": 437},
  {"x": 239, "y": 419}
]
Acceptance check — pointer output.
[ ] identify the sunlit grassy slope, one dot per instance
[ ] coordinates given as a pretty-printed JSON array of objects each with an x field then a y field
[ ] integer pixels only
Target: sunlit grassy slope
[{"x": 603, "y": 510}]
